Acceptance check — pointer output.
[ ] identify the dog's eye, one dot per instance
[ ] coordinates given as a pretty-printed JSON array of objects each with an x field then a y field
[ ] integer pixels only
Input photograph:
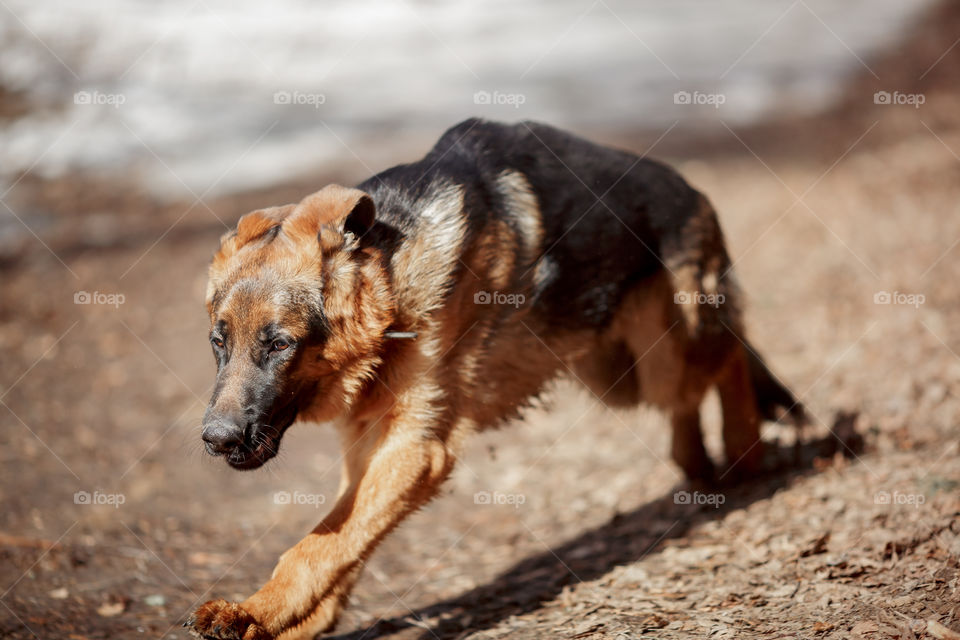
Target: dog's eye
[
  {"x": 279, "y": 345},
  {"x": 217, "y": 342}
]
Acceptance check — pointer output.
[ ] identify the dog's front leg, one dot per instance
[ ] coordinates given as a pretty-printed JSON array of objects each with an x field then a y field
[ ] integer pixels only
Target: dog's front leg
[{"x": 394, "y": 474}]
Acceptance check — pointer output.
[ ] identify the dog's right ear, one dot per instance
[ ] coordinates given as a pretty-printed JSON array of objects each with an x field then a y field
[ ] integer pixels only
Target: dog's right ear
[
  {"x": 335, "y": 215},
  {"x": 361, "y": 217}
]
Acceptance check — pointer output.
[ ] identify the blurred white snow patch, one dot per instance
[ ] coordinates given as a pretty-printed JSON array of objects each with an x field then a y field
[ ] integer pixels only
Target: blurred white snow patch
[{"x": 207, "y": 96}]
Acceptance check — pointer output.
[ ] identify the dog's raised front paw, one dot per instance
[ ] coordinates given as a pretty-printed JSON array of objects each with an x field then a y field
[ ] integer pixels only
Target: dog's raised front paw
[{"x": 222, "y": 620}]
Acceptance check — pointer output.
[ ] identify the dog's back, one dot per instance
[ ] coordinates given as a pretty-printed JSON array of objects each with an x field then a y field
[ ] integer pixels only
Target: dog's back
[{"x": 591, "y": 221}]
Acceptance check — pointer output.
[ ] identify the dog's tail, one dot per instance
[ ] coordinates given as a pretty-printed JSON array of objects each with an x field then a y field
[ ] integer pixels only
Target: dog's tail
[{"x": 774, "y": 400}]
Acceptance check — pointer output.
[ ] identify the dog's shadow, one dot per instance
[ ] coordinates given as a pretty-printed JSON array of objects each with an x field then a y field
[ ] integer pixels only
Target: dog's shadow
[{"x": 626, "y": 538}]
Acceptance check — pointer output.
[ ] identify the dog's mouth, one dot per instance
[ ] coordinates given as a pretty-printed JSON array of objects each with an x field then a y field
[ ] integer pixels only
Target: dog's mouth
[{"x": 261, "y": 442}]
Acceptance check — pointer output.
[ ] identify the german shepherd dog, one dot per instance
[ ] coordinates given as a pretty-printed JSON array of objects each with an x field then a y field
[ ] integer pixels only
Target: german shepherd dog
[{"x": 438, "y": 298}]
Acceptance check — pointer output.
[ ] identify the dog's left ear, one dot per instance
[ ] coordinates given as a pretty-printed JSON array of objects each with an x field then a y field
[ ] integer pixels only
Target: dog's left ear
[{"x": 334, "y": 214}]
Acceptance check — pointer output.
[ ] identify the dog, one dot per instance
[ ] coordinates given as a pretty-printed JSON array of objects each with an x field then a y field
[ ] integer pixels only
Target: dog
[{"x": 438, "y": 298}]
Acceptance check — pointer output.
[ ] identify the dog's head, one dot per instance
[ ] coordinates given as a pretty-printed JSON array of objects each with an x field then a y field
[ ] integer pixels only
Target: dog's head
[{"x": 298, "y": 305}]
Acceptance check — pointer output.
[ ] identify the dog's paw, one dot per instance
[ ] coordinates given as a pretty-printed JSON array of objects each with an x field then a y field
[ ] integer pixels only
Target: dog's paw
[{"x": 222, "y": 620}]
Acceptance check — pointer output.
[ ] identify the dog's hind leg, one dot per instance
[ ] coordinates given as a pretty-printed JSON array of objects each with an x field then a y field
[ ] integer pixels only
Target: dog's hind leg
[
  {"x": 741, "y": 419},
  {"x": 686, "y": 447},
  {"x": 650, "y": 325}
]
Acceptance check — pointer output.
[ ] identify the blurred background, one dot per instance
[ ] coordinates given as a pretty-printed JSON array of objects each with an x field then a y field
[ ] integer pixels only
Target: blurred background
[
  {"x": 189, "y": 97},
  {"x": 133, "y": 134}
]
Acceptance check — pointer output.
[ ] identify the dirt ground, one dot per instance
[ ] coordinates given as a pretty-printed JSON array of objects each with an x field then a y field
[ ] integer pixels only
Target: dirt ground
[{"x": 571, "y": 523}]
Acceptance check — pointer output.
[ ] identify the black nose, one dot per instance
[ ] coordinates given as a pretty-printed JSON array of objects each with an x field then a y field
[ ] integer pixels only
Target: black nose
[{"x": 222, "y": 437}]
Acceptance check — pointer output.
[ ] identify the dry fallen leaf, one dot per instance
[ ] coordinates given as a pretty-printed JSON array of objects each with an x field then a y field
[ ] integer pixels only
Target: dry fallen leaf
[
  {"x": 587, "y": 629},
  {"x": 668, "y": 595},
  {"x": 864, "y": 626},
  {"x": 654, "y": 621},
  {"x": 937, "y": 630},
  {"x": 816, "y": 547},
  {"x": 111, "y": 609}
]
